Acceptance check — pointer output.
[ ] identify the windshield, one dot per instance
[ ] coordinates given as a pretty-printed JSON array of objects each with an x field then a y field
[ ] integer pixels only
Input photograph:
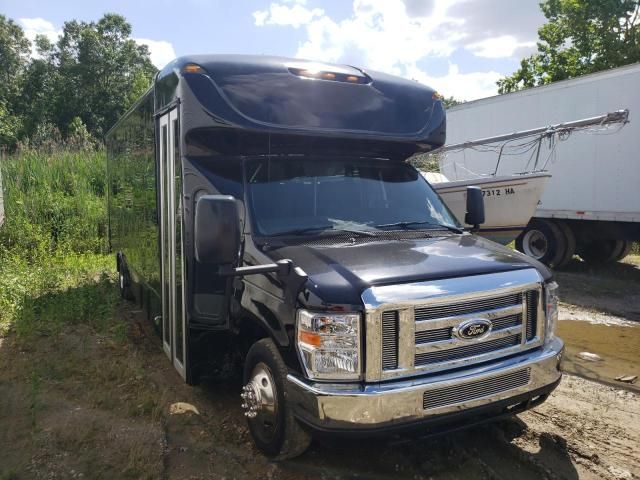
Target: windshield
[{"x": 300, "y": 195}]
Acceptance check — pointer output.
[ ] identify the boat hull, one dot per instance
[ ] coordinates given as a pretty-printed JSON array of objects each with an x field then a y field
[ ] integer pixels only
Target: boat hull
[{"x": 509, "y": 202}]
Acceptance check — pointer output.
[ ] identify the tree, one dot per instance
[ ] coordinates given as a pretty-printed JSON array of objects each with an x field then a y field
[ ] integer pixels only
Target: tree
[
  {"x": 581, "y": 36},
  {"x": 14, "y": 55},
  {"x": 98, "y": 66}
]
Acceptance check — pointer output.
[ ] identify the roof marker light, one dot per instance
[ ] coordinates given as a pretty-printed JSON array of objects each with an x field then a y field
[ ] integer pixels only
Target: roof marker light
[
  {"x": 334, "y": 76},
  {"x": 192, "y": 68}
]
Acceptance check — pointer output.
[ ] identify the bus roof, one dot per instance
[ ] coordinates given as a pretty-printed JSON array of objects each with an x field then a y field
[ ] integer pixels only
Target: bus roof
[{"x": 289, "y": 96}]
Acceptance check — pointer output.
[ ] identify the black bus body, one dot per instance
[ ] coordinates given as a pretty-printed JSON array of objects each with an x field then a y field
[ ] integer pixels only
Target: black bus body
[{"x": 262, "y": 212}]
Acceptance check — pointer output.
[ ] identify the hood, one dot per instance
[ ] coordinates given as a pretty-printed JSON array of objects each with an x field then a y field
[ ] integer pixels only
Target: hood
[{"x": 339, "y": 274}]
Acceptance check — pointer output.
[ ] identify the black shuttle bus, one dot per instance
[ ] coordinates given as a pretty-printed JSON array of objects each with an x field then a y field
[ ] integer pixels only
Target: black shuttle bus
[{"x": 262, "y": 211}]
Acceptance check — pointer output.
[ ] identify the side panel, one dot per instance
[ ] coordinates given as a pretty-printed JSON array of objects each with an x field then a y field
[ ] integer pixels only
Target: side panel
[
  {"x": 133, "y": 210},
  {"x": 594, "y": 175}
]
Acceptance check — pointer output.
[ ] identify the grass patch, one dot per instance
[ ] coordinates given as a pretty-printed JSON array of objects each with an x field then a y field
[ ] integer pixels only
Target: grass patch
[{"x": 54, "y": 268}]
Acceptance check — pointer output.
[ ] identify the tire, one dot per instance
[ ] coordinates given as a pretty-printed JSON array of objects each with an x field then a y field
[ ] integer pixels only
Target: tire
[
  {"x": 124, "y": 281},
  {"x": 599, "y": 252},
  {"x": 626, "y": 249},
  {"x": 274, "y": 429},
  {"x": 544, "y": 241},
  {"x": 570, "y": 243}
]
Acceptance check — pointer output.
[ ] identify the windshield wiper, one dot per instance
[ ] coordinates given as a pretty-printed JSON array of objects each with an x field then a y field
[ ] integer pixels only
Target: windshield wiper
[
  {"x": 411, "y": 224},
  {"x": 303, "y": 231}
]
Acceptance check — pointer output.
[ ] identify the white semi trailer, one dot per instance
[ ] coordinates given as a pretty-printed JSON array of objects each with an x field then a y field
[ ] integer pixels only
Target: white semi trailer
[{"x": 591, "y": 206}]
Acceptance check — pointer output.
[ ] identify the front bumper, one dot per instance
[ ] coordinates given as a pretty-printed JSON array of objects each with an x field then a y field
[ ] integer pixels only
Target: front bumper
[{"x": 397, "y": 404}]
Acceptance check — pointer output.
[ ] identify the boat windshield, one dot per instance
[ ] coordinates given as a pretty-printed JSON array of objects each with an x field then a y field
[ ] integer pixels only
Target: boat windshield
[{"x": 300, "y": 196}]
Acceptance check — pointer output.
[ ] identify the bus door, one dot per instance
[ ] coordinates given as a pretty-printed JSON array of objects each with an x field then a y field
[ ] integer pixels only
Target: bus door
[{"x": 171, "y": 242}]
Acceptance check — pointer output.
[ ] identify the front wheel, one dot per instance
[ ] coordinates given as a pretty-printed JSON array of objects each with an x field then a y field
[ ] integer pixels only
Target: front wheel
[{"x": 273, "y": 427}]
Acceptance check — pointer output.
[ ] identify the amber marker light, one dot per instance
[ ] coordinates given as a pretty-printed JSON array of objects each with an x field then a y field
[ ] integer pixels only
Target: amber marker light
[
  {"x": 309, "y": 338},
  {"x": 192, "y": 68}
]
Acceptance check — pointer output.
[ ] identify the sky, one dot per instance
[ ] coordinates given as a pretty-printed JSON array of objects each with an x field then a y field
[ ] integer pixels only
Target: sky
[{"x": 459, "y": 47}]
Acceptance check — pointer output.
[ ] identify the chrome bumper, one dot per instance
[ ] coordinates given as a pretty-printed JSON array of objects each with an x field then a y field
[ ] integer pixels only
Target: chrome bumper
[{"x": 395, "y": 403}]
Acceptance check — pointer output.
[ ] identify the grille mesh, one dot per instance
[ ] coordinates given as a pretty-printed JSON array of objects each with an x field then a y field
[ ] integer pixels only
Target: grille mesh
[
  {"x": 466, "y": 350},
  {"x": 390, "y": 340},
  {"x": 461, "y": 308},
  {"x": 473, "y": 390},
  {"x": 506, "y": 322},
  {"x": 435, "y": 335},
  {"x": 532, "y": 314}
]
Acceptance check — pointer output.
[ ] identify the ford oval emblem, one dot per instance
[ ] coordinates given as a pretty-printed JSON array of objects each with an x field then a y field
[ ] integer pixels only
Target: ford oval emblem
[{"x": 473, "y": 329}]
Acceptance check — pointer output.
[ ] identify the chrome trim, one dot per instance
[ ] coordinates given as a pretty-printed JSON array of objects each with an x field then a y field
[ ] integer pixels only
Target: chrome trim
[
  {"x": 456, "y": 342},
  {"x": 405, "y": 298},
  {"x": 422, "y": 325},
  {"x": 349, "y": 406}
]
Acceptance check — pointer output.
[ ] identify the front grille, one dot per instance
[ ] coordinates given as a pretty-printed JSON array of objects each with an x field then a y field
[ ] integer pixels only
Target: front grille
[
  {"x": 532, "y": 314},
  {"x": 472, "y": 306},
  {"x": 390, "y": 340},
  {"x": 444, "y": 396},
  {"x": 437, "y": 345},
  {"x": 457, "y": 353}
]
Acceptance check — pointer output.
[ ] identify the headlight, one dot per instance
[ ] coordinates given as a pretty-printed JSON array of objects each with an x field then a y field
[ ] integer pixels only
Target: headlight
[
  {"x": 551, "y": 309},
  {"x": 329, "y": 344}
]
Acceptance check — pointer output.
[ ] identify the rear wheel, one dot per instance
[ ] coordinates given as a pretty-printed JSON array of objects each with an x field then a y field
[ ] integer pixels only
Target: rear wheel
[
  {"x": 273, "y": 427},
  {"x": 544, "y": 241},
  {"x": 569, "y": 243},
  {"x": 601, "y": 251},
  {"x": 626, "y": 249}
]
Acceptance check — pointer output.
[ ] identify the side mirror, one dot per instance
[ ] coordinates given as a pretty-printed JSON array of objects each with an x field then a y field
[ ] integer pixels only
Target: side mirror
[
  {"x": 217, "y": 230},
  {"x": 475, "y": 207}
]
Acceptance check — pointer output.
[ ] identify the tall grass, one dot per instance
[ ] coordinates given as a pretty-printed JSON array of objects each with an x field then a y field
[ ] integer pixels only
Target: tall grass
[{"x": 54, "y": 268}]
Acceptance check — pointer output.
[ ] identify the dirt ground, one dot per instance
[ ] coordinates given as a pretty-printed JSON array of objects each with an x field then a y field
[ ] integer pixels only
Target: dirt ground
[{"x": 110, "y": 406}]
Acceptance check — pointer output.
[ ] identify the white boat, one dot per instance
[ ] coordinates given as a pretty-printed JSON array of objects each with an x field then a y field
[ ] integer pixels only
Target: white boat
[{"x": 509, "y": 201}]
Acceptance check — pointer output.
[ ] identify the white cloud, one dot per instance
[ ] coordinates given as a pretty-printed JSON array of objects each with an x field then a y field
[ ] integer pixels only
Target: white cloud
[
  {"x": 499, "y": 47},
  {"x": 461, "y": 86},
  {"x": 295, "y": 15},
  {"x": 161, "y": 51},
  {"x": 38, "y": 26},
  {"x": 396, "y": 36}
]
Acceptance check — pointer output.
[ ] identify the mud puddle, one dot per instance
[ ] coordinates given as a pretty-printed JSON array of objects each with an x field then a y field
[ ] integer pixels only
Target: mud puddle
[{"x": 618, "y": 347}]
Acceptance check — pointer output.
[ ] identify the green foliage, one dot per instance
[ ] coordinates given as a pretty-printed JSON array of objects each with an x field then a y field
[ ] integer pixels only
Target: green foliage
[
  {"x": 580, "y": 37},
  {"x": 14, "y": 52},
  {"x": 89, "y": 77},
  {"x": 54, "y": 269}
]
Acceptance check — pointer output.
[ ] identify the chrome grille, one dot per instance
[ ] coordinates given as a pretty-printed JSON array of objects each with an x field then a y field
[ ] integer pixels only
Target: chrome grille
[
  {"x": 467, "y": 350},
  {"x": 474, "y": 390},
  {"x": 390, "y": 340},
  {"x": 413, "y": 329},
  {"x": 439, "y": 311},
  {"x": 532, "y": 314},
  {"x": 434, "y": 335}
]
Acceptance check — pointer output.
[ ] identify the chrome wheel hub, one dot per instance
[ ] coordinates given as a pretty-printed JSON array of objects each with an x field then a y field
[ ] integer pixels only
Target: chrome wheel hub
[
  {"x": 535, "y": 244},
  {"x": 259, "y": 397}
]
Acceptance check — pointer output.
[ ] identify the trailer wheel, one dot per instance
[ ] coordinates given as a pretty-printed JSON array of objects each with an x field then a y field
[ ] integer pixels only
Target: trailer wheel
[
  {"x": 569, "y": 242},
  {"x": 601, "y": 251},
  {"x": 273, "y": 427},
  {"x": 626, "y": 249},
  {"x": 544, "y": 241}
]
